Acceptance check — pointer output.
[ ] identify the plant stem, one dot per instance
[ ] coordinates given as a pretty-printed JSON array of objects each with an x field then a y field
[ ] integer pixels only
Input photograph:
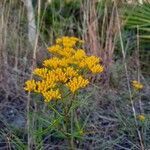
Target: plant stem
[
  {"x": 28, "y": 122},
  {"x": 128, "y": 82},
  {"x": 72, "y": 136},
  {"x": 69, "y": 120}
]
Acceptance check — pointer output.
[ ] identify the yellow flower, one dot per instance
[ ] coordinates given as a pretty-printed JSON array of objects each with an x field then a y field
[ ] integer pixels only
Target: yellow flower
[
  {"x": 65, "y": 62},
  {"x": 68, "y": 41},
  {"x": 56, "y": 62},
  {"x": 41, "y": 72},
  {"x": 80, "y": 54},
  {"x": 82, "y": 64},
  {"x": 67, "y": 52},
  {"x": 51, "y": 77},
  {"x": 30, "y": 85},
  {"x": 53, "y": 62},
  {"x": 66, "y": 67},
  {"x": 44, "y": 85},
  {"x": 137, "y": 85},
  {"x": 91, "y": 61},
  {"x": 77, "y": 83},
  {"x": 60, "y": 75},
  {"x": 97, "y": 69},
  {"x": 70, "y": 72},
  {"x": 54, "y": 49},
  {"x": 51, "y": 94},
  {"x": 141, "y": 117}
]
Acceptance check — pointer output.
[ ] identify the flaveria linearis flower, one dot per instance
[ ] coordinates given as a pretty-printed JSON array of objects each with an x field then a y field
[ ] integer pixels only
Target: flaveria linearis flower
[
  {"x": 141, "y": 117},
  {"x": 67, "y": 68},
  {"x": 137, "y": 85}
]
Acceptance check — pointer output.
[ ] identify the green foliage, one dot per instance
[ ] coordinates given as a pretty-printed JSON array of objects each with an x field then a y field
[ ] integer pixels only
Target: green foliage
[
  {"x": 59, "y": 18},
  {"x": 137, "y": 19},
  {"x": 57, "y": 120}
]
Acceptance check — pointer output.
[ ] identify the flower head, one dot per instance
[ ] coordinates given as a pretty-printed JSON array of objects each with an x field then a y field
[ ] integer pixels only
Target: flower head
[
  {"x": 77, "y": 83},
  {"x": 51, "y": 94},
  {"x": 54, "y": 49},
  {"x": 71, "y": 72},
  {"x": 30, "y": 85},
  {"x": 137, "y": 85},
  {"x": 52, "y": 63},
  {"x": 79, "y": 55},
  {"x": 59, "y": 73},
  {"x": 141, "y": 117},
  {"x": 68, "y": 41},
  {"x": 41, "y": 72},
  {"x": 44, "y": 85},
  {"x": 97, "y": 69}
]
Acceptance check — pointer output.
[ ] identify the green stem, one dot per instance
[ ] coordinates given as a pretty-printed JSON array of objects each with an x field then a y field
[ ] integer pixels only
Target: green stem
[
  {"x": 68, "y": 116},
  {"x": 72, "y": 136},
  {"x": 51, "y": 107}
]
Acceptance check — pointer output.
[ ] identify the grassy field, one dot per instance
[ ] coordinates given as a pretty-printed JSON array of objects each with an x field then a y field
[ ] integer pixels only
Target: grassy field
[{"x": 95, "y": 93}]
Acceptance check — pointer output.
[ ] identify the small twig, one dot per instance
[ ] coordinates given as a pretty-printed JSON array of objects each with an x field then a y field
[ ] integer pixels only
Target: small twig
[{"x": 107, "y": 118}]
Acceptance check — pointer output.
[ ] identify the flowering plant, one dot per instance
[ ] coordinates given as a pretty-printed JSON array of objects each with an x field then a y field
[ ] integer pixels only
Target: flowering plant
[
  {"x": 63, "y": 75},
  {"x": 137, "y": 85}
]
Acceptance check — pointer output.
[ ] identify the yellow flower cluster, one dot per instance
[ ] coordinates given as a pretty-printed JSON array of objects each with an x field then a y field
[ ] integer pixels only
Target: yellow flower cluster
[
  {"x": 137, "y": 85},
  {"x": 51, "y": 94},
  {"x": 30, "y": 85},
  {"x": 68, "y": 41},
  {"x": 76, "y": 83},
  {"x": 66, "y": 68},
  {"x": 141, "y": 117}
]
